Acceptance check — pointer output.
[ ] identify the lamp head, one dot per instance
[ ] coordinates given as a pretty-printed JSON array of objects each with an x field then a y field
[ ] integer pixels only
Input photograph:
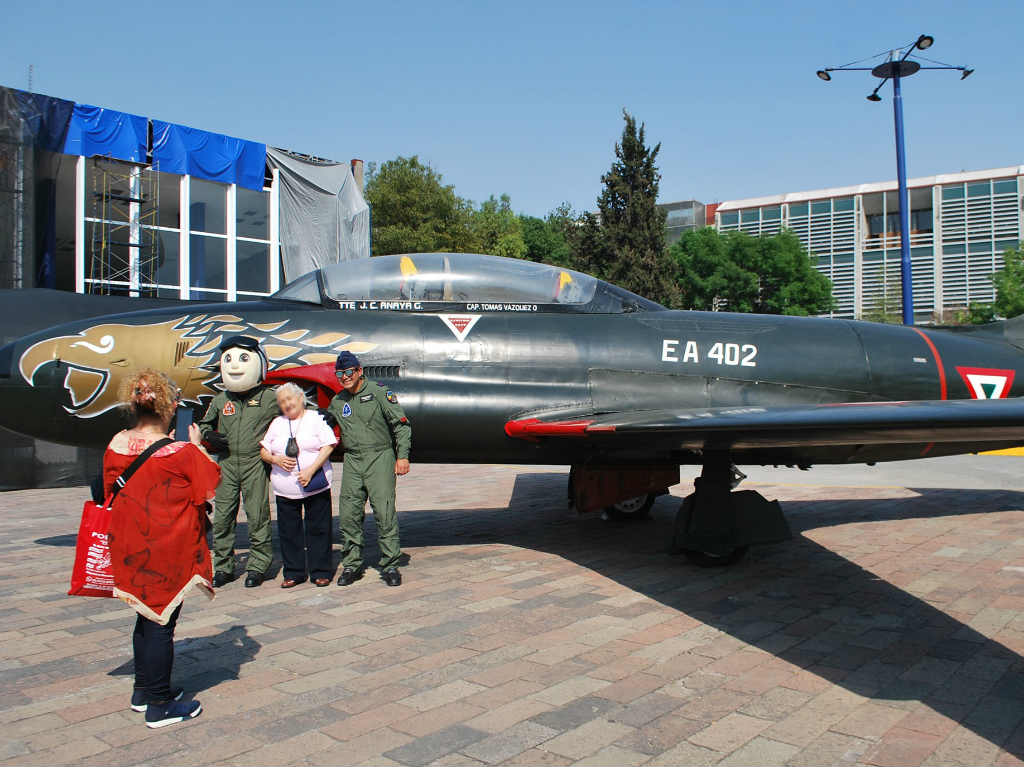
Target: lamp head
[
  {"x": 823, "y": 75},
  {"x": 924, "y": 42},
  {"x": 966, "y": 73},
  {"x": 874, "y": 97}
]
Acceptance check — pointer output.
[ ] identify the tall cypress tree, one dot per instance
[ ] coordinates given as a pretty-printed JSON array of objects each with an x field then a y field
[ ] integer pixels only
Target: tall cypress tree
[{"x": 632, "y": 228}]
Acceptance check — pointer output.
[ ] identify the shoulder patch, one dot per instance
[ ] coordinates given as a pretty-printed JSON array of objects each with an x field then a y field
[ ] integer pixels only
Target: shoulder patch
[{"x": 391, "y": 397}]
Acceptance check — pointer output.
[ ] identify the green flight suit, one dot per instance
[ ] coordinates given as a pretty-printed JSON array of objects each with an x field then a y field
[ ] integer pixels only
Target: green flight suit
[
  {"x": 374, "y": 432},
  {"x": 243, "y": 418}
]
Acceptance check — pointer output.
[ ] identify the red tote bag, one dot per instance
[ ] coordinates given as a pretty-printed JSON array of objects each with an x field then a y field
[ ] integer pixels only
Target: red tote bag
[{"x": 92, "y": 575}]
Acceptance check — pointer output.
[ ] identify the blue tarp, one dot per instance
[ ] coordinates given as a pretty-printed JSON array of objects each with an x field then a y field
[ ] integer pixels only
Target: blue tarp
[
  {"x": 212, "y": 156},
  {"x": 105, "y": 132},
  {"x": 44, "y": 118}
]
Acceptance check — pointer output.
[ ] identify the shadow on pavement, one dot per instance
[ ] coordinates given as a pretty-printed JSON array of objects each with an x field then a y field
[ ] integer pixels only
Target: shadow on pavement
[
  {"x": 797, "y": 600},
  {"x": 204, "y": 662}
]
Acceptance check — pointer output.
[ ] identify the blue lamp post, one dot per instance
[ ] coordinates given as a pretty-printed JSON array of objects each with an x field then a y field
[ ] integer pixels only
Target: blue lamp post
[{"x": 897, "y": 66}]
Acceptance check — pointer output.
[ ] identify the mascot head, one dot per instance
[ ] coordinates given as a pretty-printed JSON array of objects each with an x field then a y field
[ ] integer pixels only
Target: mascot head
[{"x": 243, "y": 365}]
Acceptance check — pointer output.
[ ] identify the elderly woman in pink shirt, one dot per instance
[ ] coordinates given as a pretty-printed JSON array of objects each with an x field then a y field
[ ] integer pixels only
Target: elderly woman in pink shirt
[{"x": 298, "y": 445}]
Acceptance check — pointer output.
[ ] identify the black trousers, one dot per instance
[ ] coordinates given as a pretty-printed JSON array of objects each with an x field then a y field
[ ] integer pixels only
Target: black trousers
[
  {"x": 305, "y": 547},
  {"x": 154, "y": 656}
]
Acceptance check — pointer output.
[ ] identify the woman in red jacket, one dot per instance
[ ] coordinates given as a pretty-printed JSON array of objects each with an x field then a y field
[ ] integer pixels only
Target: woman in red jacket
[{"x": 157, "y": 537}]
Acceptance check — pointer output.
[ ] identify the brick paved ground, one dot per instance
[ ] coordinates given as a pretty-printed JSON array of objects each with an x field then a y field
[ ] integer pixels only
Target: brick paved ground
[{"x": 890, "y": 631}]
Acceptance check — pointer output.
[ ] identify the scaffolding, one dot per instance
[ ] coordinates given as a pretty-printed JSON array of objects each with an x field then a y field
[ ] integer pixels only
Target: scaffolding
[
  {"x": 124, "y": 243},
  {"x": 17, "y": 172}
]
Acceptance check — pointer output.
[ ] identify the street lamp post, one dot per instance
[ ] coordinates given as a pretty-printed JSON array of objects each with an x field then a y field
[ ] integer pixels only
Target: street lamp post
[{"x": 897, "y": 66}]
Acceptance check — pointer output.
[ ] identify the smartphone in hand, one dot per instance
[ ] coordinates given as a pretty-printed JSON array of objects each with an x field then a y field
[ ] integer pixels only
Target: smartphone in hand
[{"x": 182, "y": 420}]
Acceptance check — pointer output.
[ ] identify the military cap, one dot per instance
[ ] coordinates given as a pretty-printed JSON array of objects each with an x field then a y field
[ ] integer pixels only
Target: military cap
[{"x": 346, "y": 360}]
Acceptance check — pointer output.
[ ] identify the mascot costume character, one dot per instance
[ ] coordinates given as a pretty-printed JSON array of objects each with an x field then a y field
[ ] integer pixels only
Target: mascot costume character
[{"x": 233, "y": 426}]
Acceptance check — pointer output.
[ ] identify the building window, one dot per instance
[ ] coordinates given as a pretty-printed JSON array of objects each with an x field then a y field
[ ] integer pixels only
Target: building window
[
  {"x": 253, "y": 267},
  {"x": 168, "y": 273},
  {"x": 207, "y": 207},
  {"x": 252, "y": 214},
  {"x": 921, "y": 220},
  {"x": 207, "y": 263}
]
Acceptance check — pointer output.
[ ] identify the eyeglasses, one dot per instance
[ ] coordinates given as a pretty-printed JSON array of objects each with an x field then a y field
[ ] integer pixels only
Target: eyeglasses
[{"x": 348, "y": 373}]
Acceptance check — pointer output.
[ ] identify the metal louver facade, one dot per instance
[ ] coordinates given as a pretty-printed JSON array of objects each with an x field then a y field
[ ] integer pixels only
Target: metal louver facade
[{"x": 961, "y": 224}]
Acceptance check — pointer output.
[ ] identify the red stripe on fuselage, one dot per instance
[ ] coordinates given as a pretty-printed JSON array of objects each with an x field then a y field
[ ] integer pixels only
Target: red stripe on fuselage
[
  {"x": 938, "y": 361},
  {"x": 534, "y": 427}
]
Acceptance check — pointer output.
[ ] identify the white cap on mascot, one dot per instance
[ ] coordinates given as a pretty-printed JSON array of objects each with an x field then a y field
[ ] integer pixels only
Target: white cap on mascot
[{"x": 243, "y": 363}]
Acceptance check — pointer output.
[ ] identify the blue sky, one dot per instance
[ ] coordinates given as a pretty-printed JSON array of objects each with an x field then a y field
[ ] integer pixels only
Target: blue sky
[{"x": 526, "y": 98}]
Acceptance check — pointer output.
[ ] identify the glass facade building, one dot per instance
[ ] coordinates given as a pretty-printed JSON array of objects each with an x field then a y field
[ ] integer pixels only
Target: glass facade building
[
  {"x": 682, "y": 217},
  {"x": 139, "y": 232},
  {"x": 960, "y": 225}
]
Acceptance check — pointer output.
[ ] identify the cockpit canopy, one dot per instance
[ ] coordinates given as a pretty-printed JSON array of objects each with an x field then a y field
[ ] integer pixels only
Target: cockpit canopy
[{"x": 466, "y": 281}]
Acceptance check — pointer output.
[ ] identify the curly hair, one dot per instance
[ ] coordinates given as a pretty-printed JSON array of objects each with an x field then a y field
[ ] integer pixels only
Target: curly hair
[{"x": 149, "y": 392}]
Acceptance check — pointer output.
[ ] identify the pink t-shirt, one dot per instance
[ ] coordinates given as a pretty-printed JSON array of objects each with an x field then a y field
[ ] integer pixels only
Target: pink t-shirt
[{"x": 311, "y": 433}]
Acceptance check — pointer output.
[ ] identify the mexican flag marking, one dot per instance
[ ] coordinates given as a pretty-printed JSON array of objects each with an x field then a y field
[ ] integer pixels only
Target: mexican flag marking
[
  {"x": 987, "y": 383},
  {"x": 460, "y": 324}
]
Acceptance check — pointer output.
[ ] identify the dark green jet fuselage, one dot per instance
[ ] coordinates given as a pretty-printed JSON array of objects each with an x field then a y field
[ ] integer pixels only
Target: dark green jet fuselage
[{"x": 596, "y": 377}]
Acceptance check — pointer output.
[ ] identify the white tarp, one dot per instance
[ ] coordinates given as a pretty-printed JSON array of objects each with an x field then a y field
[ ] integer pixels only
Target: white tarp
[{"x": 324, "y": 218}]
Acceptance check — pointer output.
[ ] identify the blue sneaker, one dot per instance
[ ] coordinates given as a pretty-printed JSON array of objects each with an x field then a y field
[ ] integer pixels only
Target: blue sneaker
[
  {"x": 163, "y": 714},
  {"x": 140, "y": 700}
]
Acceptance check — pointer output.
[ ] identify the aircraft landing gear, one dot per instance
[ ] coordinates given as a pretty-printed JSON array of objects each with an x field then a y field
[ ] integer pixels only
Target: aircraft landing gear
[
  {"x": 638, "y": 507},
  {"x": 716, "y": 526}
]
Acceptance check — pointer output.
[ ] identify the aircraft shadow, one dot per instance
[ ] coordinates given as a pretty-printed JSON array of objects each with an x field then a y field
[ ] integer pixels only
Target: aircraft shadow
[{"x": 797, "y": 600}]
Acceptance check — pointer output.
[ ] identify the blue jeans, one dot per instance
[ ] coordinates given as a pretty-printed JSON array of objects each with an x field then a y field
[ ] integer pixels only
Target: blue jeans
[{"x": 154, "y": 656}]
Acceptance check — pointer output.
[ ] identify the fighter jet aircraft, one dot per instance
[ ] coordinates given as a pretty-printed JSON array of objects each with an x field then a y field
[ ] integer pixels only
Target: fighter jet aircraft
[{"x": 505, "y": 361}]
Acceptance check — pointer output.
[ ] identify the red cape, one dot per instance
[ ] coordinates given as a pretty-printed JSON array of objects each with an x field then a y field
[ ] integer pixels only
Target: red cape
[{"x": 157, "y": 531}]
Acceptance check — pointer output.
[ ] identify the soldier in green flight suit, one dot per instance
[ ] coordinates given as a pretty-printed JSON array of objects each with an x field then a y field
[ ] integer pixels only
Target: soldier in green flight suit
[
  {"x": 235, "y": 422},
  {"x": 377, "y": 437}
]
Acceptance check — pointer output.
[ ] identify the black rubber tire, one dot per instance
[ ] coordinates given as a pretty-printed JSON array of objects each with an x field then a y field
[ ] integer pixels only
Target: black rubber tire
[
  {"x": 704, "y": 559},
  {"x": 632, "y": 508}
]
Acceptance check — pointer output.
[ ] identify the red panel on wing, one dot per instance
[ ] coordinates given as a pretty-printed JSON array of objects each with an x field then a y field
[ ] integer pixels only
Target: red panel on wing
[{"x": 531, "y": 428}]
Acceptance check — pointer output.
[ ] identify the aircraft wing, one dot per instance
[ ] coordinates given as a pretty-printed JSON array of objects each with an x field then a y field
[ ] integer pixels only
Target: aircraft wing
[{"x": 849, "y": 423}]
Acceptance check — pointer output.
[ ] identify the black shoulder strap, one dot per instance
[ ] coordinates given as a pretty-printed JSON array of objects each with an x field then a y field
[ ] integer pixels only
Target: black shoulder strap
[{"x": 122, "y": 480}]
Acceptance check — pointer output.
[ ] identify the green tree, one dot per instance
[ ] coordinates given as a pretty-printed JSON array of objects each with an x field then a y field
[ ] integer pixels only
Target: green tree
[
  {"x": 710, "y": 275},
  {"x": 976, "y": 313},
  {"x": 496, "y": 230},
  {"x": 1009, "y": 282},
  {"x": 414, "y": 212},
  {"x": 545, "y": 238},
  {"x": 787, "y": 282},
  {"x": 625, "y": 242},
  {"x": 767, "y": 275}
]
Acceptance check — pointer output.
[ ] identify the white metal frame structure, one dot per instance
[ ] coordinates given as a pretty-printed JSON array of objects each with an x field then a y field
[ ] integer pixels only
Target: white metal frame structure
[{"x": 182, "y": 236}]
